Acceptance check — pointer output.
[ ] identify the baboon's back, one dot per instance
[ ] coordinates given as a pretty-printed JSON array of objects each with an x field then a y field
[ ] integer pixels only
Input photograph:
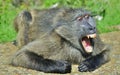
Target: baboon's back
[{"x": 40, "y": 23}]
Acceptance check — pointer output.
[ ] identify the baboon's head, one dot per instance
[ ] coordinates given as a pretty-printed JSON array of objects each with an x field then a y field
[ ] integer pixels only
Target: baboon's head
[{"x": 78, "y": 27}]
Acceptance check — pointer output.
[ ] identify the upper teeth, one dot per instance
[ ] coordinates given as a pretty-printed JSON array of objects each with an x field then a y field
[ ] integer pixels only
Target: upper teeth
[{"x": 91, "y": 36}]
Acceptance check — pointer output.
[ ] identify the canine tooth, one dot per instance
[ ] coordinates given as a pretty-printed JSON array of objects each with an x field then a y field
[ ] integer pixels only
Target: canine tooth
[
  {"x": 88, "y": 36},
  {"x": 91, "y": 36}
]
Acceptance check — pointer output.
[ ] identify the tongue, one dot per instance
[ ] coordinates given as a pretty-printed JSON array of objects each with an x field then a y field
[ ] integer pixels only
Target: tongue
[{"x": 87, "y": 45}]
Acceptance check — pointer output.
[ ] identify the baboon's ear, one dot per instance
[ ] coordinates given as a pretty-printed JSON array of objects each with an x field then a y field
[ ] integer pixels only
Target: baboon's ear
[
  {"x": 25, "y": 16},
  {"x": 68, "y": 34}
]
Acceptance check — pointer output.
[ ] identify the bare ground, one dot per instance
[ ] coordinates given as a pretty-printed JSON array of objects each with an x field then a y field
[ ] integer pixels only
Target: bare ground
[{"x": 111, "y": 68}]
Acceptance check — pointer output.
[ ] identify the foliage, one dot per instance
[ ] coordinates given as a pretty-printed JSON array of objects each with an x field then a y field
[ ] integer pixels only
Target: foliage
[{"x": 8, "y": 13}]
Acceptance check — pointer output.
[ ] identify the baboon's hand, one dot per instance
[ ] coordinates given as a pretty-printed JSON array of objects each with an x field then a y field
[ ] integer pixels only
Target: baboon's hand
[
  {"x": 86, "y": 66},
  {"x": 92, "y": 63},
  {"x": 83, "y": 67}
]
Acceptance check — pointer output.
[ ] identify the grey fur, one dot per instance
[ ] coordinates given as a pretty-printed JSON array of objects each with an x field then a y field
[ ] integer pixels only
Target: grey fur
[{"x": 54, "y": 34}]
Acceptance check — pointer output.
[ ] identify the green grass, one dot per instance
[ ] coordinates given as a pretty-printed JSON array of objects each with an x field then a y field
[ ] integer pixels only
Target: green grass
[{"x": 8, "y": 13}]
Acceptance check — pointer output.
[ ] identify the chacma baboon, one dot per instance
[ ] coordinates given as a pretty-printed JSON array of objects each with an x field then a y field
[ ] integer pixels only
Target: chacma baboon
[{"x": 50, "y": 40}]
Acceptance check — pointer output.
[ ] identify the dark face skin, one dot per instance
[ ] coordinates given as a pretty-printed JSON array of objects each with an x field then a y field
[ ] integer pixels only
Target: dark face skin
[{"x": 86, "y": 23}]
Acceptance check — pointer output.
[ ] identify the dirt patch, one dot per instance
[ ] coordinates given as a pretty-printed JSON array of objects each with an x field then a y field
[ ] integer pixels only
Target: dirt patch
[{"x": 111, "y": 68}]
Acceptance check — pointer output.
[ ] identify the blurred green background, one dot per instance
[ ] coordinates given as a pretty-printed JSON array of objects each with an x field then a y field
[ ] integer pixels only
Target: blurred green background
[{"x": 108, "y": 13}]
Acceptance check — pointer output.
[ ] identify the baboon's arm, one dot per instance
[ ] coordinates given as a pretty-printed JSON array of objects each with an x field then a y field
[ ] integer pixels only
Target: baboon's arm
[{"x": 33, "y": 61}]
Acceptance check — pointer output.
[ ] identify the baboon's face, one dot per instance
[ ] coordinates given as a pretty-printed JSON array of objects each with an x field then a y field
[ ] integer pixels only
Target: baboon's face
[
  {"x": 86, "y": 27},
  {"x": 78, "y": 28}
]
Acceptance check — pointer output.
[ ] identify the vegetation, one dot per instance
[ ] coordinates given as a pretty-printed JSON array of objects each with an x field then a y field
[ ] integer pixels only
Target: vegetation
[{"x": 108, "y": 9}]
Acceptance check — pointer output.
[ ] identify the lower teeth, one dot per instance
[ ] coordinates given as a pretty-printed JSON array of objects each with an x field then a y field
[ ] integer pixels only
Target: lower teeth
[{"x": 89, "y": 49}]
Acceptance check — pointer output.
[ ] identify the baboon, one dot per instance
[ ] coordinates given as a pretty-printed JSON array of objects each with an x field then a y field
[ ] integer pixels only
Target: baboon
[{"x": 51, "y": 40}]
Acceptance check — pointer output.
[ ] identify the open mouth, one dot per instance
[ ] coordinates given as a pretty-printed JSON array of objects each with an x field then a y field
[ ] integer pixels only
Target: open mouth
[{"x": 88, "y": 43}]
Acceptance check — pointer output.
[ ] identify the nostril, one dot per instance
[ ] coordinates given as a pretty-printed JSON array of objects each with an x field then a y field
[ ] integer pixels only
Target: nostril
[{"x": 90, "y": 28}]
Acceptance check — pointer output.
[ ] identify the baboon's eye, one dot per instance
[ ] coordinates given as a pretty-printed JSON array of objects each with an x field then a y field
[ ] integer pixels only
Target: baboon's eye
[{"x": 79, "y": 18}]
